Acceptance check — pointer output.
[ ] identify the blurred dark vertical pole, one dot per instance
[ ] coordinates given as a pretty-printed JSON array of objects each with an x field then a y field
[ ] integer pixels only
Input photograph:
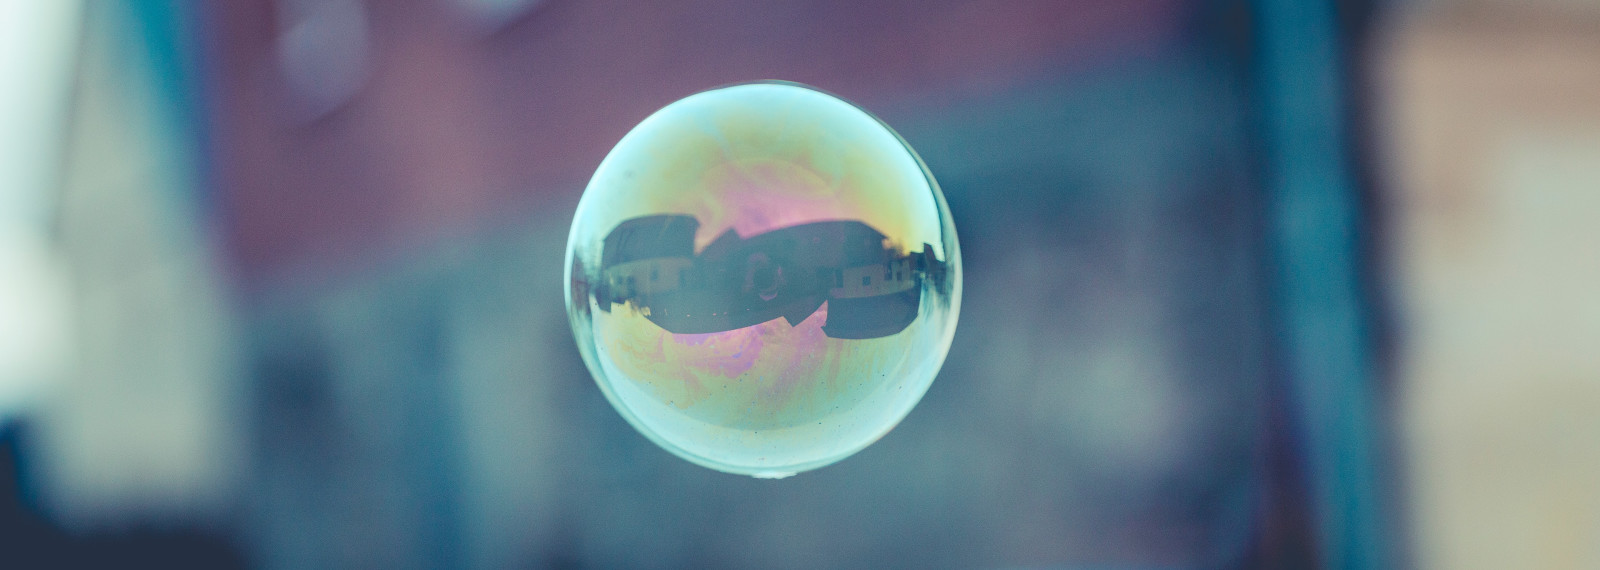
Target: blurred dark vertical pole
[{"x": 1314, "y": 233}]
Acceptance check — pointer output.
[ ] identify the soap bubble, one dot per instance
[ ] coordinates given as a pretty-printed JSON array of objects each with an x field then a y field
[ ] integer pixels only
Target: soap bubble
[{"x": 763, "y": 278}]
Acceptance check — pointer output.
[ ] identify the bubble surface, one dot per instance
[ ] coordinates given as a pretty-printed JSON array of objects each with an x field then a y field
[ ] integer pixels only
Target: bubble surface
[{"x": 763, "y": 278}]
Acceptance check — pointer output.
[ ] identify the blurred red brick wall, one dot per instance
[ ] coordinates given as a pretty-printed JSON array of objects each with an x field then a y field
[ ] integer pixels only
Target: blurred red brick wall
[{"x": 454, "y": 123}]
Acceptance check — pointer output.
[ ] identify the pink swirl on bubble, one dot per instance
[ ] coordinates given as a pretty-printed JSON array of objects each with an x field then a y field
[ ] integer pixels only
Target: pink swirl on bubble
[
  {"x": 731, "y": 354},
  {"x": 752, "y": 199}
]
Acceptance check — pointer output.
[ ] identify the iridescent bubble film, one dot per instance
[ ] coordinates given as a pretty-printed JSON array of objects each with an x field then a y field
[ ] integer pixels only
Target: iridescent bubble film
[{"x": 763, "y": 278}]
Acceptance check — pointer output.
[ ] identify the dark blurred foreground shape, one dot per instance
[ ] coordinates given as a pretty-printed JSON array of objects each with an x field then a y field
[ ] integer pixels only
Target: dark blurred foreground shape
[
  {"x": 29, "y": 540},
  {"x": 317, "y": 246}
]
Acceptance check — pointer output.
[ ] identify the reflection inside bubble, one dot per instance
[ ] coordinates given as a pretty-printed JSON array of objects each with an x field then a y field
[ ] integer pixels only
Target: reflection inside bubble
[{"x": 872, "y": 287}]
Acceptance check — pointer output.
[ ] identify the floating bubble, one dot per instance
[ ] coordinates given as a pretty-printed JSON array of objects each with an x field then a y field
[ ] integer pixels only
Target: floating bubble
[{"x": 763, "y": 278}]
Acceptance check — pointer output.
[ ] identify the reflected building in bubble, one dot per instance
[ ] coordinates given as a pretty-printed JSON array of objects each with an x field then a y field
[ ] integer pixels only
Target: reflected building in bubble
[{"x": 872, "y": 289}]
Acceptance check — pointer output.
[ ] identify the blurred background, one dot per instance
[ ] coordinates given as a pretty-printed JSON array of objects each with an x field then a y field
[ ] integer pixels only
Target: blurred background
[{"x": 280, "y": 285}]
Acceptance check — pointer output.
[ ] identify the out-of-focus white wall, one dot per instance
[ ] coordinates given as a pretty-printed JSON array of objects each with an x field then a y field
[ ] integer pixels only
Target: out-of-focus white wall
[
  {"x": 115, "y": 346},
  {"x": 145, "y": 424},
  {"x": 1493, "y": 123},
  {"x": 37, "y": 45}
]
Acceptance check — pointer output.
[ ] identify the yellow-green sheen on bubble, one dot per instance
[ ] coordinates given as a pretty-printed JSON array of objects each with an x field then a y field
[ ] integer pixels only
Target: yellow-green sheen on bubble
[{"x": 763, "y": 278}]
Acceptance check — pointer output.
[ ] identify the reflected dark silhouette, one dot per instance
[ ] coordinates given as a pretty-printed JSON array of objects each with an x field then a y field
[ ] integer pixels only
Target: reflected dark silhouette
[{"x": 872, "y": 288}]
